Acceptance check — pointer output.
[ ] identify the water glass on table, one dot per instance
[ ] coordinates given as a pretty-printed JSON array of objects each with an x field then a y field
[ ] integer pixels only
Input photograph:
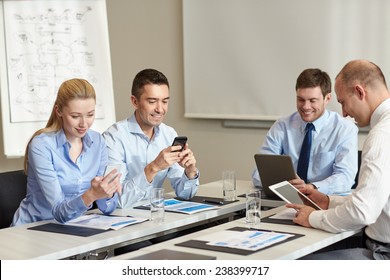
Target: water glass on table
[
  {"x": 157, "y": 206},
  {"x": 229, "y": 185},
  {"x": 253, "y": 207}
]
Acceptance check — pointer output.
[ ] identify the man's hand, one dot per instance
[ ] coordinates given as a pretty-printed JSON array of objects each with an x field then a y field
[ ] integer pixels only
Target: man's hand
[
  {"x": 188, "y": 162},
  {"x": 164, "y": 160},
  {"x": 318, "y": 197},
  {"x": 302, "y": 215},
  {"x": 167, "y": 157},
  {"x": 301, "y": 185}
]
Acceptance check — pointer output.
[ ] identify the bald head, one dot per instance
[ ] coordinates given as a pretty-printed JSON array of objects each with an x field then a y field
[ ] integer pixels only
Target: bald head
[
  {"x": 362, "y": 72},
  {"x": 360, "y": 88}
]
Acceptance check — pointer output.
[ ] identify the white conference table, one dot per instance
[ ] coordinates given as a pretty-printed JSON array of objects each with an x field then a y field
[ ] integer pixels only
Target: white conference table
[
  {"x": 312, "y": 241},
  {"x": 21, "y": 243}
]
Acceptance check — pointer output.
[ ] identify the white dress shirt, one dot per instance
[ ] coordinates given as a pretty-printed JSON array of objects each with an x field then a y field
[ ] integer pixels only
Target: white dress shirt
[{"x": 369, "y": 204}]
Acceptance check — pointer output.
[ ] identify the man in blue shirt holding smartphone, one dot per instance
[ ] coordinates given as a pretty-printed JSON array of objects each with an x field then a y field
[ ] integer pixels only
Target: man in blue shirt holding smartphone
[{"x": 142, "y": 145}]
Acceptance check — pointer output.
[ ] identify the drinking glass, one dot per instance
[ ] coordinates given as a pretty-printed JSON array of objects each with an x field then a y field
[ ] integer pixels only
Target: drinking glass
[
  {"x": 253, "y": 207},
  {"x": 157, "y": 206},
  {"x": 229, "y": 185}
]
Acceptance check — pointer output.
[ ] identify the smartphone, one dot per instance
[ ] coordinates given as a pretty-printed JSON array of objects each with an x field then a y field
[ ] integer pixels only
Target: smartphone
[
  {"x": 291, "y": 194},
  {"x": 180, "y": 140},
  {"x": 109, "y": 168}
]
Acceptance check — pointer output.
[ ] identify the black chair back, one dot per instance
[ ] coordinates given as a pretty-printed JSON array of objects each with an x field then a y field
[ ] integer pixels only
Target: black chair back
[{"x": 13, "y": 189}]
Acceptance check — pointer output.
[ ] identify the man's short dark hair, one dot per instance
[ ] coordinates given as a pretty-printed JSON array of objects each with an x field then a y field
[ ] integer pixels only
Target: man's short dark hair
[
  {"x": 313, "y": 77},
  {"x": 147, "y": 77}
]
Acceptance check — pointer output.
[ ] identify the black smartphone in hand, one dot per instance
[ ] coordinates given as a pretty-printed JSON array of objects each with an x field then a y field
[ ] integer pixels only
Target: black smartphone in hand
[{"x": 180, "y": 140}]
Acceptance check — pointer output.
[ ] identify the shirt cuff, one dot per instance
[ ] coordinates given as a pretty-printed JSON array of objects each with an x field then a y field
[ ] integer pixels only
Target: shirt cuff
[
  {"x": 322, "y": 187},
  {"x": 315, "y": 218},
  {"x": 107, "y": 205},
  {"x": 80, "y": 205},
  {"x": 196, "y": 176}
]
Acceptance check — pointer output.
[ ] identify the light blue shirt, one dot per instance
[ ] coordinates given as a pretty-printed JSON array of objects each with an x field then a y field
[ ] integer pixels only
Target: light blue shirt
[
  {"x": 333, "y": 158},
  {"x": 55, "y": 183},
  {"x": 129, "y": 146}
]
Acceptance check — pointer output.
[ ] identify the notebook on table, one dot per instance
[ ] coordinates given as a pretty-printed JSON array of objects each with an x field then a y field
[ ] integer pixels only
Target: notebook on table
[{"x": 273, "y": 169}]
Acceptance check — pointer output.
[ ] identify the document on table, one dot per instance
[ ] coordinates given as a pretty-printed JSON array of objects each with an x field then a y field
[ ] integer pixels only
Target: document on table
[
  {"x": 286, "y": 214},
  {"x": 284, "y": 217},
  {"x": 246, "y": 240},
  {"x": 186, "y": 207},
  {"x": 99, "y": 221}
]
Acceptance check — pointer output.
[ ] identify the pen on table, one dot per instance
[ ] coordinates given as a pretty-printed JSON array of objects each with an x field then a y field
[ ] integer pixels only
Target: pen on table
[
  {"x": 213, "y": 201},
  {"x": 259, "y": 229}
]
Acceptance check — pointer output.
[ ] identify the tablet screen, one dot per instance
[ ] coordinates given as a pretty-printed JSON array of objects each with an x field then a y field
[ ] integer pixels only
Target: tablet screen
[{"x": 290, "y": 194}]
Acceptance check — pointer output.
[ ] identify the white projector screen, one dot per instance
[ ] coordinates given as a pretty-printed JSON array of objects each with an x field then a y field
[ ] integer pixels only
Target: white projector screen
[{"x": 242, "y": 57}]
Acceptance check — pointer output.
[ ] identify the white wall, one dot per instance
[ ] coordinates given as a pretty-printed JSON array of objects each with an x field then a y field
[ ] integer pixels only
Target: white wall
[{"x": 148, "y": 33}]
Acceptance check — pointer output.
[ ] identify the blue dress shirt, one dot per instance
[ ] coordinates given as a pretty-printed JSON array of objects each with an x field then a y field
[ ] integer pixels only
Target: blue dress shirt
[
  {"x": 55, "y": 183},
  {"x": 129, "y": 146},
  {"x": 333, "y": 158}
]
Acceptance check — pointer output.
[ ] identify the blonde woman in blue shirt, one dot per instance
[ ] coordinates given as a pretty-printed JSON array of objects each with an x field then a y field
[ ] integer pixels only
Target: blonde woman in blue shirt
[{"x": 65, "y": 161}]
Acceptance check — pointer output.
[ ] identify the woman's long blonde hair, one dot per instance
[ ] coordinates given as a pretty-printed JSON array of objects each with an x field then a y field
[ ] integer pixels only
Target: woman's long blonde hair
[{"x": 69, "y": 90}]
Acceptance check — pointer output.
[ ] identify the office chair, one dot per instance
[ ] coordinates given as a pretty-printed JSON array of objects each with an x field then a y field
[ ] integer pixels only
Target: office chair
[
  {"x": 357, "y": 173},
  {"x": 13, "y": 188}
]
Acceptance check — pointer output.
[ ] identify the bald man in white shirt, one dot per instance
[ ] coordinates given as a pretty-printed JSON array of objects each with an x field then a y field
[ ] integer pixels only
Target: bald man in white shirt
[{"x": 363, "y": 94}]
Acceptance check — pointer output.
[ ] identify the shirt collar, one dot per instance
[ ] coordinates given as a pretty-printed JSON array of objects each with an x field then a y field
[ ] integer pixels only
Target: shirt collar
[
  {"x": 376, "y": 115},
  {"x": 318, "y": 123},
  {"x": 61, "y": 139},
  {"x": 136, "y": 129}
]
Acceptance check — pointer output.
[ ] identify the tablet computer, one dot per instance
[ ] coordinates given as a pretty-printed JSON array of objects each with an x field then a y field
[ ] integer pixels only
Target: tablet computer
[
  {"x": 273, "y": 169},
  {"x": 291, "y": 194}
]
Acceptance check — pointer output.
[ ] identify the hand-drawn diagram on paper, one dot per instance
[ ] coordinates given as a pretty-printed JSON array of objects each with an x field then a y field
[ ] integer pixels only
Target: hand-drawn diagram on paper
[{"x": 48, "y": 42}]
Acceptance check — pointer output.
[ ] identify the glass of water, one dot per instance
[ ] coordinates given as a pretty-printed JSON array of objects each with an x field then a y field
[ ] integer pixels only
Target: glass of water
[
  {"x": 157, "y": 206},
  {"x": 253, "y": 207},
  {"x": 229, "y": 185}
]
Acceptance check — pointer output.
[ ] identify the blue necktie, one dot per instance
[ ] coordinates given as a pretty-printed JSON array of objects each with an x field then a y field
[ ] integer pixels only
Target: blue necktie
[{"x": 304, "y": 157}]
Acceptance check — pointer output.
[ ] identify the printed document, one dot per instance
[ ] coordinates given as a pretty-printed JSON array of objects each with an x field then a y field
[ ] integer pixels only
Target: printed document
[
  {"x": 251, "y": 240},
  {"x": 186, "y": 207},
  {"x": 104, "y": 222}
]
